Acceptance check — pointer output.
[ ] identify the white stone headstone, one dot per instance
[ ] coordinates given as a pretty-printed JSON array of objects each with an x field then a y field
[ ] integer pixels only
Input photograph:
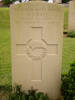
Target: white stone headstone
[
  {"x": 36, "y": 39},
  {"x": 58, "y": 1},
  {"x": 71, "y": 24}
]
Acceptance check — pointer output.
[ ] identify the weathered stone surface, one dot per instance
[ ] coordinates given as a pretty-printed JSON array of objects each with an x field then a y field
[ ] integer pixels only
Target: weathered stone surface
[
  {"x": 71, "y": 24},
  {"x": 58, "y": 1},
  {"x": 36, "y": 39}
]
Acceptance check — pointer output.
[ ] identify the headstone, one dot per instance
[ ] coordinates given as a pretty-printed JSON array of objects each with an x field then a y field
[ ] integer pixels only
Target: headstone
[
  {"x": 36, "y": 39},
  {"x": 71, "y": 24},
  {"x": 58, "y": 1}
]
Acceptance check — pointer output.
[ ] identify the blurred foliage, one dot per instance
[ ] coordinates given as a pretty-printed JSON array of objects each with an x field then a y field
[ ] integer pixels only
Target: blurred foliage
[
  {"x": 16, "y": 93},
  {"x": 68, "y": 83},
  {"x": 65, "y": 1},
  {"x": 71, "y": 34},
  {"x": 8, "y": 2}
]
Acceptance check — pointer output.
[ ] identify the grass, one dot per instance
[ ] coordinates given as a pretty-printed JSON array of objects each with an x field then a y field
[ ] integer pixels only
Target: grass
[
  {"x": 5, "y": 54},
  {"x": 5, "y": 58},
  {"x": 65, "y": 19},
  {"x": 68, "y": 53}
]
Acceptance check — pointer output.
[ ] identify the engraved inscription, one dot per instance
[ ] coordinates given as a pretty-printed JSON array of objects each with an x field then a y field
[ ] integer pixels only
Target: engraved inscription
[{"x": 36, "y": 49}]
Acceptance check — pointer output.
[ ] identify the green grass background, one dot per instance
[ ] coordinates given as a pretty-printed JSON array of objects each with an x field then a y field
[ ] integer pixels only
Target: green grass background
[
  {"x": 5, "y": 58},
  {"x": 66, "y": 19},
  {"x": 5, "y": 54}
]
